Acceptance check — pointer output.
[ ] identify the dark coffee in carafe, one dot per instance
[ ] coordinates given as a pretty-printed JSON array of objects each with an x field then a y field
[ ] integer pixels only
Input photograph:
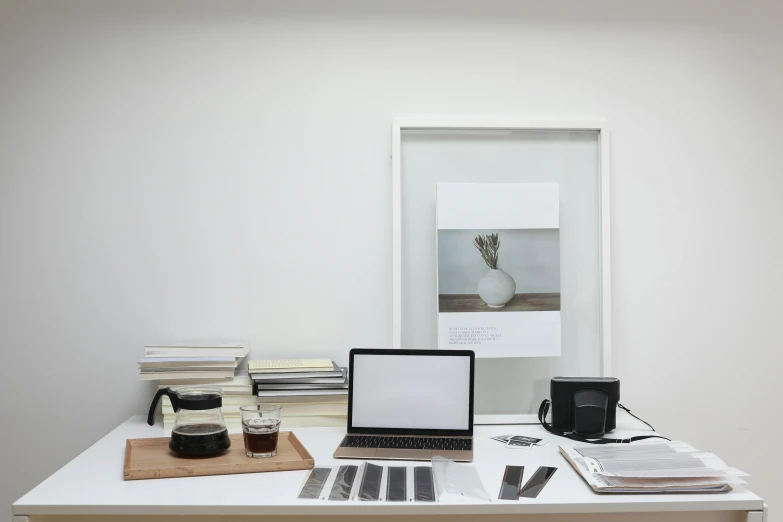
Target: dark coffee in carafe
[
  {"x": 199, "y": 440},
  {"x": 199, "y": 429}
]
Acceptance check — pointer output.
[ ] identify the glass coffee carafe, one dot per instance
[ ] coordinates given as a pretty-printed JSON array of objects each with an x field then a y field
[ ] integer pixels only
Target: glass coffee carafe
[{"x": 199, "y": 428}]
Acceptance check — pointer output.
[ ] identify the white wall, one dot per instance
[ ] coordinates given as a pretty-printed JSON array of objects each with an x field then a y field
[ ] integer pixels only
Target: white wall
[
  {"x": 531, "y": 257},
  {"x": 193, "y": 169}
]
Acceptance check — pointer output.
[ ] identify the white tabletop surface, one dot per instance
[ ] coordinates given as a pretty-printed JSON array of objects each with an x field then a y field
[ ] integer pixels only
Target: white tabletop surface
[{"x": 92, "y": 484}]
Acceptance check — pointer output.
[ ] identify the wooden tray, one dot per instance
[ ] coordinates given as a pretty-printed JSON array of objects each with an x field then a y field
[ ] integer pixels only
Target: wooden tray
[{"x": 151, "y": 459}]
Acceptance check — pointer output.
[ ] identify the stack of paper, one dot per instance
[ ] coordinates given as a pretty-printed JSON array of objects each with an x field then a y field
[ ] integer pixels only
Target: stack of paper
[{"x": 673, "y": 467}]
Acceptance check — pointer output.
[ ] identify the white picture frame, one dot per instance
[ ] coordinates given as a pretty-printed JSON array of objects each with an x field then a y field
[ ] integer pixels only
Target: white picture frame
[{"x": 402, "y": 124}]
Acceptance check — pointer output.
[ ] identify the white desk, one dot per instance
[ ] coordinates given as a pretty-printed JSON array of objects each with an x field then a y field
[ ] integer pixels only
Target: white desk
[{"x": 91, "y": 487}]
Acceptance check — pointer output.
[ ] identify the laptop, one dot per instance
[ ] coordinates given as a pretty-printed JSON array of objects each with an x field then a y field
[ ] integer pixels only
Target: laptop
[{"x": 409, "y": 405}]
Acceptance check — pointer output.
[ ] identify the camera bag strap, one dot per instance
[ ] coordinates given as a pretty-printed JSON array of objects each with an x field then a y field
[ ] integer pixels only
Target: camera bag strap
[{"x": 544, "y": 410}]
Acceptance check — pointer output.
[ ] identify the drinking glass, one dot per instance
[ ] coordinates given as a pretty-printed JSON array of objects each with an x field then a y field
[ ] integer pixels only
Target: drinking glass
[{"x": 260, "y": 426}]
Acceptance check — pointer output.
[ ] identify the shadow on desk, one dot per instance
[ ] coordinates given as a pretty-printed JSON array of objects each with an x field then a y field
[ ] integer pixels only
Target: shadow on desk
[{"x": 715, "y": 516}]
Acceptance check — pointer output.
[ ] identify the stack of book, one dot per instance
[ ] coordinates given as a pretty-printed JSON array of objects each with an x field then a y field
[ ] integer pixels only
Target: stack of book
[
  {"x": 313, "y": 392},
  {"x": 190, "y": 363}
]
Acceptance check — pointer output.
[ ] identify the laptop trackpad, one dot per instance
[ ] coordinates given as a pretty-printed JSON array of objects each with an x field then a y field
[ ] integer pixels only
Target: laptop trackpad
[
  {"x": 354, "y": 453},
  {"x": 403, "y": 454}
]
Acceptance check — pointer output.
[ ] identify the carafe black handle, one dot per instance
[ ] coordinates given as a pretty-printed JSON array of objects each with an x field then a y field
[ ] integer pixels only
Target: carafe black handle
[{"x": 168, "y": 392}]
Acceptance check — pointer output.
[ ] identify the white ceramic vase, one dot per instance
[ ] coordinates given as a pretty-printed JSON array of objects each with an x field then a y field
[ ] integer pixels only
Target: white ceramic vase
[{"x": 497, "y": 288}]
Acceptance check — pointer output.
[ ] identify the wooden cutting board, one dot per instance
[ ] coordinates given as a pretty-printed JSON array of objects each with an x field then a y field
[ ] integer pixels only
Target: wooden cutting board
[{"x": 151, "y": 459}]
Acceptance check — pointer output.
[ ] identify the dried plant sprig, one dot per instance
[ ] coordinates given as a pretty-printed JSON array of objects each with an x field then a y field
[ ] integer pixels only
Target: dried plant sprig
[{"x": 488, "y": 245}]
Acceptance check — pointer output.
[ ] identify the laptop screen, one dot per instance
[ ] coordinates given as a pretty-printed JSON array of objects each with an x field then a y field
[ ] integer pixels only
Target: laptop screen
[{"x": 394, "y": 391}]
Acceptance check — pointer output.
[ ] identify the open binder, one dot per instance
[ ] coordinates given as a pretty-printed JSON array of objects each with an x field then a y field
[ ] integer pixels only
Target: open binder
[{"x": 651, "y": 468}]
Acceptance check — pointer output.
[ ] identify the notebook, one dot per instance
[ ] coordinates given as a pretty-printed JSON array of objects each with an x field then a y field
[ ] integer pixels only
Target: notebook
[
  {"x": 238, "y": 350},
  {"x": 334, "y": 372},
  {"x": 214, "y": 374},
  {"x": 290, "y": 365},
  {"x": 301, "y": 393}
]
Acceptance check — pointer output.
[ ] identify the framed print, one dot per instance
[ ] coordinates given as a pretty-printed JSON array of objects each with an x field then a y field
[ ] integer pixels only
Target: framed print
[{"x": 461, "y": 184}]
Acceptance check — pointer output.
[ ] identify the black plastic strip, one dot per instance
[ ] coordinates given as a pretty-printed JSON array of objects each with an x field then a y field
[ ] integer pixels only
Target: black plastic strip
[
  {"x": 537, "y": 482},
  {"x": 512, "y": 479}
]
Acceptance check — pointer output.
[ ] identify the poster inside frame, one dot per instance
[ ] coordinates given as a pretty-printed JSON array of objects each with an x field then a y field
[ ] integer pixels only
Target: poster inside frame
[
  {"x": 461, "y": 130},
  {"x": 498, "y": 268}
]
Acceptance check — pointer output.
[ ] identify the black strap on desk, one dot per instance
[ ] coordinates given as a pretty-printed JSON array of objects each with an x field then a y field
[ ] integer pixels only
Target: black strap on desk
[{"x": 544, "y": 410}]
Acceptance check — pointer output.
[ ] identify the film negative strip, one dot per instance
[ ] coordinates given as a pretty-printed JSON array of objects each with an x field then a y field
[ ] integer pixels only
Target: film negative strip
[
  {"x": 537, "y": 482},
  {"x": 370, "y": 488},
  {"x": 423, "y": 486},
  {"x": 397, "y": 484},
  {"x": 314, "y": 483},
  {"x": 512, "y": 480},
  {"x": 343, "y": 483}
]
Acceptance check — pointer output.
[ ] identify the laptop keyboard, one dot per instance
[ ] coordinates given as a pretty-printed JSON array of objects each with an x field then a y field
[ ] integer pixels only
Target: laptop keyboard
[{"x": 430, "y": 443}]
